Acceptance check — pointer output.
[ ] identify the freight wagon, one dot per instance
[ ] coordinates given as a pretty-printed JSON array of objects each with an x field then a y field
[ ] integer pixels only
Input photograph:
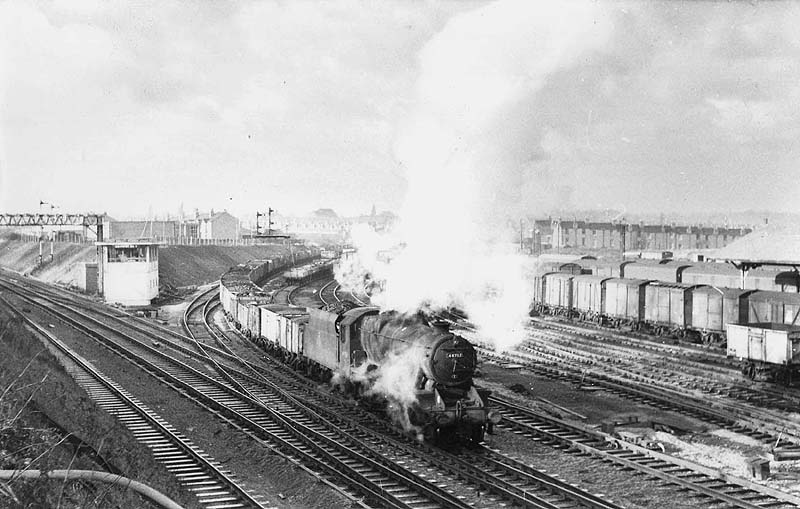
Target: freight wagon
[
  {"x": 624, "y": 304},
  {"x": 588, "y": 296},
  {"x": 713, "y": 308},
  {"x": 556, "y": 290},
  {"x": 668, "y": 308},
  {"x": 765, "y": 349},
  {"x": 774, "y": 307},
  {"x": 689, "y": 309},
  {"x": 727, "y": 276},
  {"x": 241, "y": 313},
  {"x": 604, "y": 268},
  {"x": 665, "y": 271}
]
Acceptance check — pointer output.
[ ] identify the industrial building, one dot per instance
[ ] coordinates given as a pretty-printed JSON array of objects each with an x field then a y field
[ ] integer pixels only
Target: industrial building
[{"x": 203, "y": 226}]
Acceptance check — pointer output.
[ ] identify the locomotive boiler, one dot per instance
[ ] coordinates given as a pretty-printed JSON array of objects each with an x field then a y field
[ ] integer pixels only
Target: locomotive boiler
[
  {"x": 445, "y": 401},
  {"x": 445, "y": 358}
]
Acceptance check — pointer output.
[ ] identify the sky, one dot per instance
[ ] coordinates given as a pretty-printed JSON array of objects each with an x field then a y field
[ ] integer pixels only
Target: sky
[{"x": 131, "y": 107}]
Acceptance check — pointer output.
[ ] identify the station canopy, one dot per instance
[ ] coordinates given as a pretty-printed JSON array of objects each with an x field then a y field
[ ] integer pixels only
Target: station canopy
[{"x": 770, "y": 245}]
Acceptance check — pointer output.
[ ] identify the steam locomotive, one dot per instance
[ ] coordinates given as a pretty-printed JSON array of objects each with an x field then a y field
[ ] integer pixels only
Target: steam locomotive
[{"x": 420, "y": 370}]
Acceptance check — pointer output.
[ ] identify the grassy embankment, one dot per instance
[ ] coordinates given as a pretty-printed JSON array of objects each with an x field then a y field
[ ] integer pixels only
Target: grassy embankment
[{"x": 38, "y": 401}]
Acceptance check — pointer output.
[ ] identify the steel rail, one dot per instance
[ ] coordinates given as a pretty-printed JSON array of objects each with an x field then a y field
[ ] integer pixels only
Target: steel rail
[
  {"x": 192, "y": 467},
  {"x": 243, "y": 409},
  {"x": 640, "y": 390},
  {"x": 598, "y": 346},
  {"x": 627, "y": 363},
  {"x": 627, "y": 455},
  {"x": 464, "y": 469}
]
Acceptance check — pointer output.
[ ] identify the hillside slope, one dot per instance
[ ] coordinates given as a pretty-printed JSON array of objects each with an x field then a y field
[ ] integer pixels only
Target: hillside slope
[
  {"x": 195, "y": 265},
  {"x": 177, "y": 265}
]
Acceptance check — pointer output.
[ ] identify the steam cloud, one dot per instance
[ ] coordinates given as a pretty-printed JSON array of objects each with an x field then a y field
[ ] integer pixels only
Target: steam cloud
[{"x": 466, "y": 147}]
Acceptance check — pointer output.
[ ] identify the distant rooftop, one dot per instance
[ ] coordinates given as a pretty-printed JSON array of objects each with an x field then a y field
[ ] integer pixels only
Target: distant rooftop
[
  {"x": 773, "y": 243},
  {"x": 128, "y": 243}
]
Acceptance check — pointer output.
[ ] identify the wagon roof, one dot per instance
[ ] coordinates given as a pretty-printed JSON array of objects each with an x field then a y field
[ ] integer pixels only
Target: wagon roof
[
  {"x": 664, "y": 284},
  {"x": 793, "y": 298},
  {"x": 728, "y": 292},
  {"x": 770, "y": 326},
  {"x": 670, "y": 264},
  {"x": 560, "y": 275},
  {"x": 284, "y": 309},
  {"x": 591, "y": 277},
  {"x": 724, "y": 268},
  {"x": 599, "y": 263},
  {"x": 628, "y": 281}
]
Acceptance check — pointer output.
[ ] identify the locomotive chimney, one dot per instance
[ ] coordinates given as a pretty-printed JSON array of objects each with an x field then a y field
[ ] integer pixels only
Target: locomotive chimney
[{"x": 440, "y": 325}]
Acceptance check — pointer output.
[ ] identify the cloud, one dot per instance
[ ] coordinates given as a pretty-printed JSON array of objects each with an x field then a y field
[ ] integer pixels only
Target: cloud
[
  {"x": 277, "y": 94},
  {"x": 270, "y": 94}
]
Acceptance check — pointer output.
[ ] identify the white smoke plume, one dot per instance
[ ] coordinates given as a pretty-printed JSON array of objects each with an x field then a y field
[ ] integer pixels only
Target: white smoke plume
[
  {"x": 465, "y": 148},
  {"x": 395, "y": 379}
]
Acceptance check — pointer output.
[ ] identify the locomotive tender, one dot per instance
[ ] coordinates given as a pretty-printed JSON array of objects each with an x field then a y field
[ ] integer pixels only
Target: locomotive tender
[{"x": 356, "y": 348}]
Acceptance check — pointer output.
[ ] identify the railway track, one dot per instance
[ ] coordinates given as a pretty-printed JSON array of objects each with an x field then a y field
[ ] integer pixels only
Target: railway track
[
  {"x": 388, "y": 474},
  {"x": 284, "y": 295},
  {"x": 573, "y": 365},
  {"x": 736, "y": 418},
  {"x": 660, "y": 369},
  {"x": 707, "y": 361},
  {"x": 329, "y": 295},
  {"x": 194, "y": 469},
  {"x": 309, "y": 441},
  {"x": 710, "y": 484},
  {"x": 353, "y": 419},
  {"x": 530, "y": 488},
  {"x": 765, "y": 422}
]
